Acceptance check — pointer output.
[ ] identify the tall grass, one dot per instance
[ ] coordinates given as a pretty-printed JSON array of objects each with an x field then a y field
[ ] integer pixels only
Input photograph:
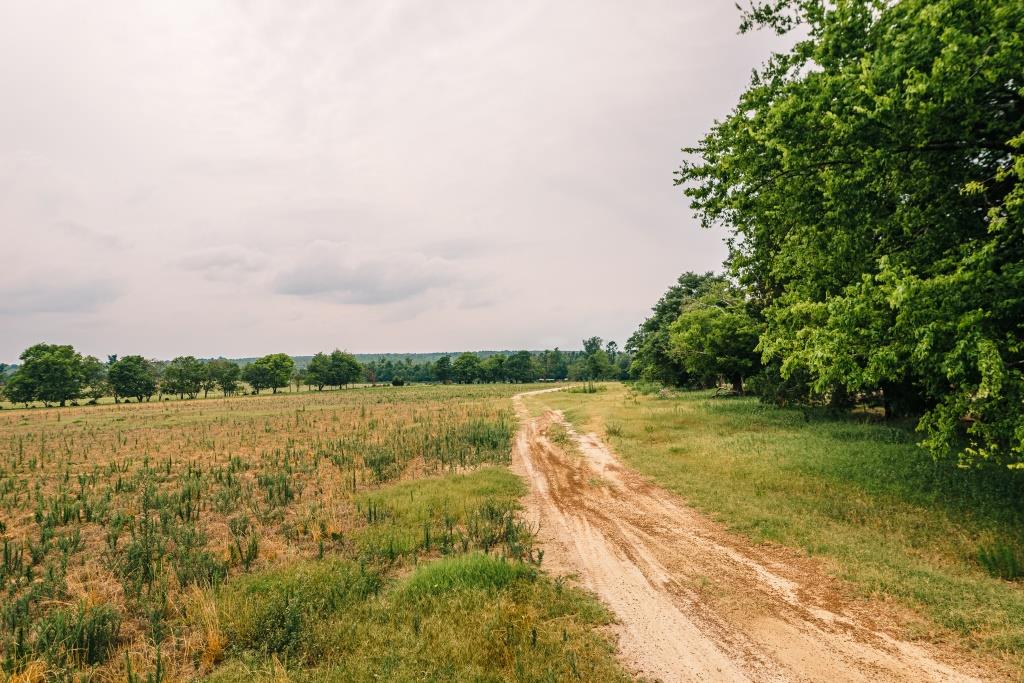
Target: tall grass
[{"x": 471, "y": 617}]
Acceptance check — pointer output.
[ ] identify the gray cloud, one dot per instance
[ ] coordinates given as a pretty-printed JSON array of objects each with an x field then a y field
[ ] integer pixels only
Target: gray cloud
[
  {"x": 227, "y": 262},
  {"x": 341, "y": 273},
  {"x": 44, "y": 297}
]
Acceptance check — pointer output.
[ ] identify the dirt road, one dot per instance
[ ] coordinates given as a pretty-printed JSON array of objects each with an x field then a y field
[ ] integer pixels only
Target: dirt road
[{"x": 693, "y": 602}]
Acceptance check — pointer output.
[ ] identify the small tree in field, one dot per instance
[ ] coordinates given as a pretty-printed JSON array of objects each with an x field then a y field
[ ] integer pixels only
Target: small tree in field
[
  {"x": 54, "y": 373},
  {"x": 224, "y": 374},
  {"x": 318, "y": 372},
  {"x": 20, "y": 389},
  {"x": 466, "y": 368},
  {"x": 443, "y": 369},
  {"x": 132, "y": 376},
  {"x": 269, "y": 372},
  {"x": 344, "y": 368},
  {"x": 184, "y": 376}
]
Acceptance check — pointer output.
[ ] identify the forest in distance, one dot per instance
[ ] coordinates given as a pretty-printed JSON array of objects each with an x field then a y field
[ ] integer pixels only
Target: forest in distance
[{"x": 56, "y": 374}]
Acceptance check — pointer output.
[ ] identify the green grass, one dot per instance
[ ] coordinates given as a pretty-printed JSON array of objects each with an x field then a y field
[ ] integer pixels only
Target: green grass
[
  {"x": 886, "y": 516},
  {"x": 446, "y": 515},
  {"x": 473, "y": 617}
]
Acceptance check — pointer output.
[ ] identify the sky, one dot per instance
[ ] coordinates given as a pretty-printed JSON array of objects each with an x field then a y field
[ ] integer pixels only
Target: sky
[{"x": 240, "y": 178}]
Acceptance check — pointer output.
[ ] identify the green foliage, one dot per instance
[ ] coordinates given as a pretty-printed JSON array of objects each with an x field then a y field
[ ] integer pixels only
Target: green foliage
[
  {"x": 652, "y": 360},
  {"x": 1002, "y": 560},
  {"x": 225, "y": 374},
  {"x": 714, "y": 336},
  {"x": 51, "y": 373},
  {"x": 871, "y": 180},
  {"x": 337, "y": 369},
  {"x": 20, "y": 388},
  {"x": 94, "y": 378},
  {"x": 519, "y": 367},
  {"x": 184, "y": 376},
  {"x": 443, "y": 369},
  {"x": 132, "y": 376},
  {"x": 269, "y": 372},
  {"x": 466, "y": 369}
]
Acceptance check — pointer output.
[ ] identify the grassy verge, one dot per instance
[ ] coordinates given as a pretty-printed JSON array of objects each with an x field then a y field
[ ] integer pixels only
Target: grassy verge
[
  {"x": 888, "y": 518},
  {"x": 482, "y": 611},
  {"x": 468, "y": 617}
]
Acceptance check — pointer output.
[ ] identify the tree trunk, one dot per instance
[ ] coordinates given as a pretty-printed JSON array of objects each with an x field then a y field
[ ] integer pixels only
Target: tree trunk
[{"x": 737, "y": 384}]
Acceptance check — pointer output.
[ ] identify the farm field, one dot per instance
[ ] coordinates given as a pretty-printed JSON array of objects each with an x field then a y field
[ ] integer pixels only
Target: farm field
[
  {"x": 361, "y": 534},
  {"x": 940, "y": 548}
]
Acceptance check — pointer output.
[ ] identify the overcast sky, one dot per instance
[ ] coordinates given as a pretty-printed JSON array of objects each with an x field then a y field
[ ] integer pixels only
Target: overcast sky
[{"x": 240, "y": 178}]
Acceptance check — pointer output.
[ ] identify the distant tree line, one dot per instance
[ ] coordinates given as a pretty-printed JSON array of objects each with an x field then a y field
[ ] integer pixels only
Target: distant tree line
[
  {"x": 870, "y": 183},
  {"x": 596, "y": 361},
  {"x": 56, "y": 374}
]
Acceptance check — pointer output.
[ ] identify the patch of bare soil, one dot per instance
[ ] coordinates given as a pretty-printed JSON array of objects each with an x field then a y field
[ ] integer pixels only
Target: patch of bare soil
[{"x": 693, "y": 602}]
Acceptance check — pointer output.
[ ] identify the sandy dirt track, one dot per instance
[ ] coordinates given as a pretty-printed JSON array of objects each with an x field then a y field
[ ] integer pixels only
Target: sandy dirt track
[{"x": 693, "y": 602}]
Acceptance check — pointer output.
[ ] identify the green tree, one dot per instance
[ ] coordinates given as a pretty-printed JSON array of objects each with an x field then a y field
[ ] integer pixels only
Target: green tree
[
  {"x": 184, "y": 376},
  {"x": 553, "y": 364},
  {"x": 299, "y": 378},
  {"x": 257, "y": 375},
  {"x": 519, "y": 367},
  {"x": 649, "y": 345},
  {"x": 871, "y": 180},
  {"x": 594, "y": 364},
  {"x": 94, "y": 378},
  {"x": 272, "y": 372},
  {"x": 443, "y": 369},
  {"x": 225, "y": 374},
  {"x": 466, "y": 368},
  {"x": 55, "y": 373},
  {"x": 715, "y": 336},
  {"x": 492, "y": 368},
  {"x": 318, "y": 372},
  {"x": 20, "y": 389},
  {"x": 132, "y": 376},
  {"x": 344, "y": 368}
]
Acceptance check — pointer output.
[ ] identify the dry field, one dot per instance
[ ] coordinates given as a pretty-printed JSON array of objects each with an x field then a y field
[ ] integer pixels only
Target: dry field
[{"x": 129, "y": 531}]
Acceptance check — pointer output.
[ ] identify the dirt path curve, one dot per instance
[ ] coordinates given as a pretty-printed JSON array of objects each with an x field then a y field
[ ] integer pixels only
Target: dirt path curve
[{"x": 693, "y": 602}]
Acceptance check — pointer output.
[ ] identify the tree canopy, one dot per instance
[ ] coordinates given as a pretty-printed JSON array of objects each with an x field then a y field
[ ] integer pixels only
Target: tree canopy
[
  {"x": 132, "y": 376},
  {"x": 870, "y": 180},
  {"x": 715, "y": 335},
  {"x": 272, "y": 371},
  {"x": 650, "y": 343}
]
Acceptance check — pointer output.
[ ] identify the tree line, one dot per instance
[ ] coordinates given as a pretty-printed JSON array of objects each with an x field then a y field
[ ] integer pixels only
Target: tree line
[
  {"x": 869, "y": 181},
  {"x": 56, "y": 374}
]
